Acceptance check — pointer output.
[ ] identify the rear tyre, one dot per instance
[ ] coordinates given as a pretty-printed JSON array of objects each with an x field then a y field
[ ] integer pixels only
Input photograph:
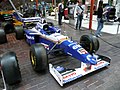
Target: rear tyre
[
  {"x": 19, "y": 33},
  {"x": 89, "y": 43},
  {"x": 50, "y": 23},
  {"x": 9, "y": 28},
  {"x": 10, "y": 68},
  {"x": 3, "y": 38},
  {"x": 38, "y": 57}
]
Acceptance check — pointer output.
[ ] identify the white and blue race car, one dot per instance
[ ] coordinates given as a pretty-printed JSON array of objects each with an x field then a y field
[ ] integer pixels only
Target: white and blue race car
[{"x": 46, "y": 39}]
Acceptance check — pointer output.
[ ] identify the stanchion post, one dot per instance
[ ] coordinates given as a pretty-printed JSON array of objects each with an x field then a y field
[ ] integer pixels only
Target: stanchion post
[
  {"x": 91, "y": 14},
  {"x": 37, "y": 4},
  {"x": 118, "y": 28},
  {"x": 55, "y": 13}
]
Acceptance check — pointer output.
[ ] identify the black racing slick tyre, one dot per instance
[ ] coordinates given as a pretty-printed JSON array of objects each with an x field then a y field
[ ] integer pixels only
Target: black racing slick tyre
[
  {"x": 89, "y": 43},
  {"x": 38, "y": 57},
  {"x": 10, "y": 68},
  {"x": 3, "y": 38},
  {"x": 19, "y": 33},
  {"x": 9, "y": 28},
  {"x": 50, "y": 24}
]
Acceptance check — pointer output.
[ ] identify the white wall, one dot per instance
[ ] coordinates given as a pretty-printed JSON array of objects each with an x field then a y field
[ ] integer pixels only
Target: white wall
[
  {"x": 117, "y": 8},
  {"x": 105, "y": 1}
]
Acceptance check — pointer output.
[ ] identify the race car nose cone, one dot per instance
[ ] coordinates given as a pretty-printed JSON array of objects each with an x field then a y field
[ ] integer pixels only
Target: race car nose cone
[{"x": 93, "y": 61}]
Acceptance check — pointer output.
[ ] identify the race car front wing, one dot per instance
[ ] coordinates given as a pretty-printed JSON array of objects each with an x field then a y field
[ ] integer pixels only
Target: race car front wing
[{"x": 63, "y": 75}]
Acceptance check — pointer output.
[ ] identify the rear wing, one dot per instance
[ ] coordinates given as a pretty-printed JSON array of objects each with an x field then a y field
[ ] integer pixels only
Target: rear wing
[
  {"x": 24, "y": 20},
  {"x": 19, "y": 17},
  {"x": 31, "y": 19}
]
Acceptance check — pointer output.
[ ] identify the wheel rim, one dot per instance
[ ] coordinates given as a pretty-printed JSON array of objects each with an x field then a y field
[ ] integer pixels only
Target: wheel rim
[{"x": 33, "y": 60}]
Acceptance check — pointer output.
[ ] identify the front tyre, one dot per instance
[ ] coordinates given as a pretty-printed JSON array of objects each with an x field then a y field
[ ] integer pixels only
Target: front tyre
[
  {"x": 89, "y": 43},
  {"x": 10, "y": 68},
  {"x": 38, "y": 57}
]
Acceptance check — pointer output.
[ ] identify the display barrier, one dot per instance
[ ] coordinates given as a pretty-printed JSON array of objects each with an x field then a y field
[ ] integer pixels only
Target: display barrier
[{"x": 118, "y": 26}]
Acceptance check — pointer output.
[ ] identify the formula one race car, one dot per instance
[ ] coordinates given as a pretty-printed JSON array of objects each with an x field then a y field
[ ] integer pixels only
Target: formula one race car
[
  {"x": 8, "y": 22},
  {"x": 46, "y": 39}
]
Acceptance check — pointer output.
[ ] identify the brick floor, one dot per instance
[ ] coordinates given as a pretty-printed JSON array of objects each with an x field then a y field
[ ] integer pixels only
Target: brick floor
[{"x": 104, "y": 79}]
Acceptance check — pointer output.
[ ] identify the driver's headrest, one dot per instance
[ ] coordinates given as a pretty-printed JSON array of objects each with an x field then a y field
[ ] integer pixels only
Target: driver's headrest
[{"x": 44, "y": 21}]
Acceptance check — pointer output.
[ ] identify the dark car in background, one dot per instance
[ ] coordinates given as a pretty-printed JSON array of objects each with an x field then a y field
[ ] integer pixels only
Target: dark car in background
[{"x": 110, "y": 13}]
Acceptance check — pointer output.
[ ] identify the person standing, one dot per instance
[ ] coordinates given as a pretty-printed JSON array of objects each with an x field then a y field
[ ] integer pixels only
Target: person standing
[
  {"x": 75, "y": 15},
  {"x": 99, "y": 19},
  {"x": 86, "y": 8},
  {"x": 60, "y": 12},
  {"x": 79, "y": 12},
  {"x": 68, "y": 3}
]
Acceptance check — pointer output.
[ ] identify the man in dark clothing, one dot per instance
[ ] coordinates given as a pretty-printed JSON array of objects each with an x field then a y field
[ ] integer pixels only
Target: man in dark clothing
[
  {"x": 60, "y": 12},
  {"x": 68, "y": 3}
]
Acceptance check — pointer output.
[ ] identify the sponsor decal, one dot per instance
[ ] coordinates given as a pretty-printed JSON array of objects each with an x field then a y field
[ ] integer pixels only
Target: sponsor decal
[
  {"x": 57, "y": 35},
  {"x": 82, "y": 51},
  {"x": 101, "y": 62},
  {"x": 101, "y": 65},
  {"x": 88, "y": 57},
  {"x": 45, "y": 45},
  {"x": 67, "y": 72},
  {"x": 72, "y": 78},
  {"x": 59, "y": 68},
  {"x": 69, "y": 75},
  {"x": 71, "y": 43},
  {"x": 69, "y": 53},
  {"x": 30, "y": 37},
  {"x": 75, "y": 46}
]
